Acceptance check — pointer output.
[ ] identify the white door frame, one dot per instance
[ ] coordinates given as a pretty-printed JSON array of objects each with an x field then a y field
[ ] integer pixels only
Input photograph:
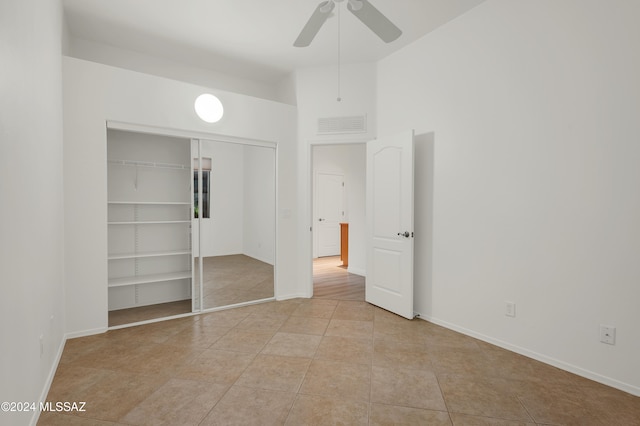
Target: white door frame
[{"x": 307, "y": 274}]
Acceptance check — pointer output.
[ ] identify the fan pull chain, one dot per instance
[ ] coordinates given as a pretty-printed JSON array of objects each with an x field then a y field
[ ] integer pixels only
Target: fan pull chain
[{"x": 339, "y": 98}]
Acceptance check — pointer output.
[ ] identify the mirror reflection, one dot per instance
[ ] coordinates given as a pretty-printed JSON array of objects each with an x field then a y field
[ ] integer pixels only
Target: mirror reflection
[{"x": 234, "y": 222}]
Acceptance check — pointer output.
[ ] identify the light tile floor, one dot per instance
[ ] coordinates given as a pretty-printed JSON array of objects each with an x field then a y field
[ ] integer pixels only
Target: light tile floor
[{"x": 317, "y": 361}]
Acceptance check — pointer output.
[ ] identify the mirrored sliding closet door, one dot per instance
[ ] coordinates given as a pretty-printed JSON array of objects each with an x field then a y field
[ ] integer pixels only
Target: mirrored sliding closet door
[
  {"x": 191, "y": 225},
  {"x": 234, "y": 218}
]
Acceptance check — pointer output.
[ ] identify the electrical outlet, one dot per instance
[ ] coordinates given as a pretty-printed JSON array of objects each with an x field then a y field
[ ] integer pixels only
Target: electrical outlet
[
  {"x": 510, "y": 309},
  {"x": 607, "y": 334},
  {"x": 41, "y": 345}
]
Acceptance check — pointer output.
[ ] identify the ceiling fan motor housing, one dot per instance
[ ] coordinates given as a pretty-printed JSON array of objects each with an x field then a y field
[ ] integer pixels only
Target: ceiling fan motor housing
[{"x": 355, "y": 5}]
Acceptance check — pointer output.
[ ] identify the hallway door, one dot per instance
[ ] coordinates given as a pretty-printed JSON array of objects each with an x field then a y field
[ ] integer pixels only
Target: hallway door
[{"x": 330, "y": 212}]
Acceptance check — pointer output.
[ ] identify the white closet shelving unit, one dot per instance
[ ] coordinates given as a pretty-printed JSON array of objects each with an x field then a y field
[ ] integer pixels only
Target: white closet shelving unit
[{"x": 149, "y": 219}]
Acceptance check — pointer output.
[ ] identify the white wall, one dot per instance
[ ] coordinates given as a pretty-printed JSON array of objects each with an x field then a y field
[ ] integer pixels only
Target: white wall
[
  {"x": 423, "y": 222},
  {"x": 287, "y": 89},
  {"x": 95, "y": 93},
  {"x": 316, "y": 91},
  {"x": 31, "y": 210},
  {"x": 150, "y": 64},
  {"x": 534, "y": 111},
  {"x": 350, "y": 161}
]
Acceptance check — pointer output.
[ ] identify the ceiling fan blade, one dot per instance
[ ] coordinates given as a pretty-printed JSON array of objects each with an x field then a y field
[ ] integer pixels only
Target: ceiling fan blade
[
  {"x": 376, "y": 21},
  {"x": 311, "y": 28}
]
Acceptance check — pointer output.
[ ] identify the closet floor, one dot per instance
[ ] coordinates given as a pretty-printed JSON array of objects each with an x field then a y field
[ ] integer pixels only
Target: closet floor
[
  {"x": 144, "y": 313},
  {"x": 227, "y": 280}
]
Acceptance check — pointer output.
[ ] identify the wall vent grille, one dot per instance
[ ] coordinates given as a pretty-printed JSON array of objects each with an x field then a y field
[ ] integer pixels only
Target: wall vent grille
[{"x": 339, "y": 125}]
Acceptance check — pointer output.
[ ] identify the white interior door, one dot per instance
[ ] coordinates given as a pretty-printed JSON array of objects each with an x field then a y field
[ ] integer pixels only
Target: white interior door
[
  {"x": 330, "y": 212},
  {"x": 389, "y": 282}
]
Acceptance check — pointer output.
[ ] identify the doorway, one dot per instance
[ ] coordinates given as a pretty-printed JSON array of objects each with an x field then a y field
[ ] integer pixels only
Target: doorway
[
  {"x": 389, "y": 246},
  {"x": 338, "y": 199}
]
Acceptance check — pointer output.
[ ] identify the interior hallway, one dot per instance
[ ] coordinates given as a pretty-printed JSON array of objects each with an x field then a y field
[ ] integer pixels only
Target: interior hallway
[
  {"x": 332, "y": 281},
  {"x": 318, "y": 361}
]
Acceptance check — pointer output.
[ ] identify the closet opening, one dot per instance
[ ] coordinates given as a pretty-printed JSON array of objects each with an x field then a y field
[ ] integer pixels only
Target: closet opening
[
  {"x": 149, "y": 226},
  {"x": 191, "y": 225}
]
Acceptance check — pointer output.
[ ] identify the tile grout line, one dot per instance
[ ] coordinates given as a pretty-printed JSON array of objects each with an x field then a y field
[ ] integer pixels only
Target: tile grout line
[
  {"x": 526, "y": 410},
  {"x": 443, "y": 398},
  {"x": 373, "y": 353},
  {"x": 255, "y": 355},
  {"x": 296, "y": 393},
  {"x": 299, "y": 387}
]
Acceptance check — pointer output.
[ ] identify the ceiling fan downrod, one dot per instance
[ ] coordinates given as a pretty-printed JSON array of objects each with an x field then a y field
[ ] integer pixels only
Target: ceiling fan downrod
[{"x": 339, "y": 98}]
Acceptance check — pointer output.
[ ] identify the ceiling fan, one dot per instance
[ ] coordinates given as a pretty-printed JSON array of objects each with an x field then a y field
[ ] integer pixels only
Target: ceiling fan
[{"x": 362, "y": 9}]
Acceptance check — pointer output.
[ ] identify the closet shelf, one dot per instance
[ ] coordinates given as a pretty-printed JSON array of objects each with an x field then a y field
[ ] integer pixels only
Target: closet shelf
[
  {"x": 151, "y": 164},
  {"x": 151, "y": 203},
  {"x": 148, "y": 254},
  {"x": 146, "y": 279},
  {"x": 149, "y": 222}
]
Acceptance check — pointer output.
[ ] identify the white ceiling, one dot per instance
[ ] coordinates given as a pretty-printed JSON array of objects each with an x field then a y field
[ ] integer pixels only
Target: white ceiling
[{"x": 250, "y": 38}]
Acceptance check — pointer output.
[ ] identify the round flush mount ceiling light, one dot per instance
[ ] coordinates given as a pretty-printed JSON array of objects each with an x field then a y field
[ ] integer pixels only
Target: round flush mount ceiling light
[{"x": 209, "y": 108}]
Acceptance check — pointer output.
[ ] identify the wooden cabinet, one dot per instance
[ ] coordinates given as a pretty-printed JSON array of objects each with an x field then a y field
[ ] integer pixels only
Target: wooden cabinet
[{"x": 344, "y": 244}]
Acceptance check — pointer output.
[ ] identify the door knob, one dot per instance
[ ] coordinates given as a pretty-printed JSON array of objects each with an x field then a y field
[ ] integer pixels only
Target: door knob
[
  {"x": 405, "y": 234},
  {"x": 320, "y": 220}
]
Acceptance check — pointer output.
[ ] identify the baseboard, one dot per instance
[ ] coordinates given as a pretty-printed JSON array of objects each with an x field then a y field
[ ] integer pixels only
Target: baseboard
[
  {"x": 153, "y": 320},
  {"x": 293, "y": 296},
  {"x": 84, "y": 333},
  {"x": 625, "y": 387},
  {"x": 47, "y": 385},
  {"x": 356, "y": 271},
  {"x": 259, "y": 258}
]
